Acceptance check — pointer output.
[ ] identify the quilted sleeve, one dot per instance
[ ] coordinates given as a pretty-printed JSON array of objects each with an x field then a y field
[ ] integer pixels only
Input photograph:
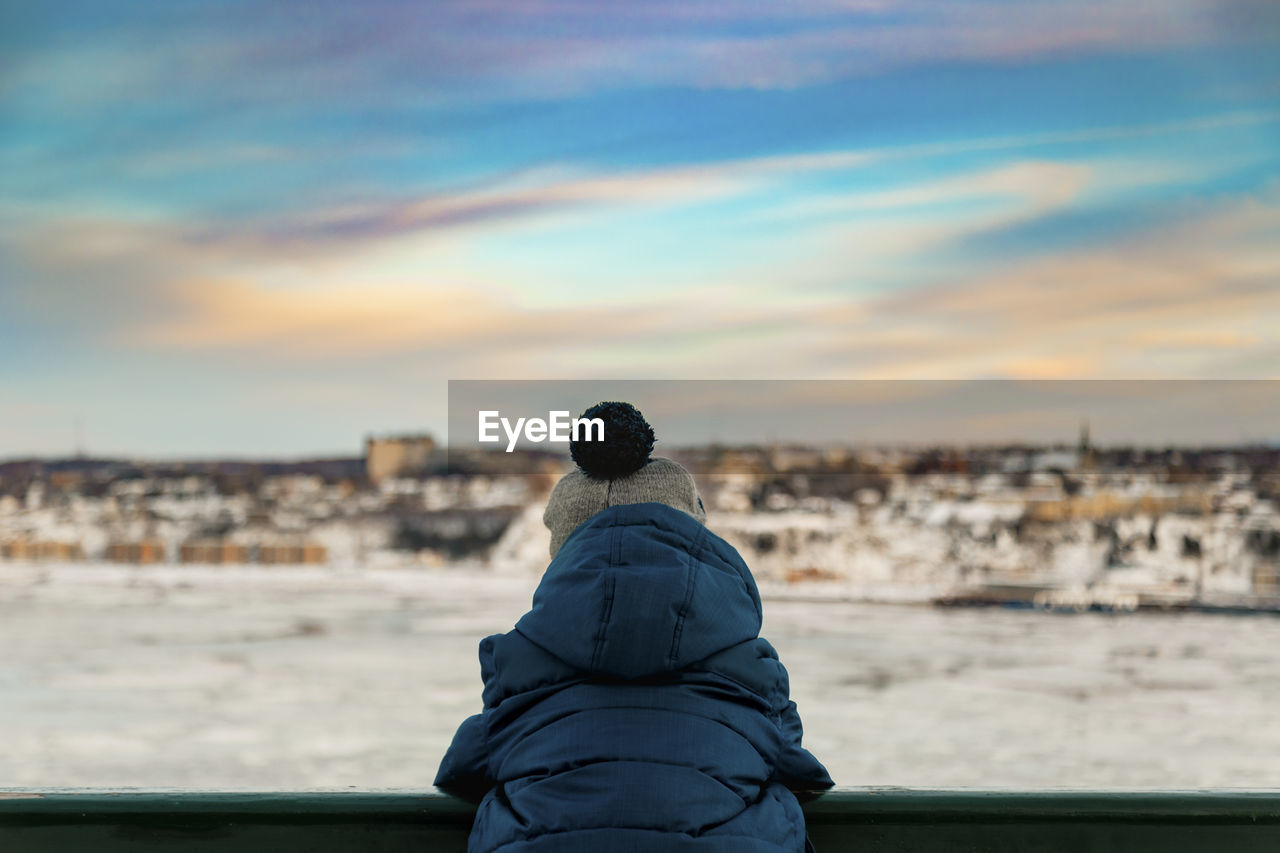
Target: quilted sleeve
[
  {"x": 464, "y": 770},
  {"x": 796, "y": 767},
  {"x": 755, "y": 665}
]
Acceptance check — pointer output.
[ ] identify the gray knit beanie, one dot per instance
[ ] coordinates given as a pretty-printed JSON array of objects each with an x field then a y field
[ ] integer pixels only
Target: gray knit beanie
[{"x": 617, "y": 471}]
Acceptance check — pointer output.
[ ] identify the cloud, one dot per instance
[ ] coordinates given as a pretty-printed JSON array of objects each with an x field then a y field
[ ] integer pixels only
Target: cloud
[
  {"x": 395, "y": 53},
  {"x": 1194, "y": 339},
  {"x": 1143, "y": 306},
  {"x": 501, "y": 204},
  {"x": 335, "y": 324},
  {"x": 555, "y": 194},
  {"x": 1150, "y": 305},
  {"x": 327, "y": 285},
  {"x": 873, "y": 228},
  {"x": 1140, "y": 305}
]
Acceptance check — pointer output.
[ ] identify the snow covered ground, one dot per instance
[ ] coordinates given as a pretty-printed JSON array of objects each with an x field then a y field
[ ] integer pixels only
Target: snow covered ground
[{"x": 292, "y": 678}]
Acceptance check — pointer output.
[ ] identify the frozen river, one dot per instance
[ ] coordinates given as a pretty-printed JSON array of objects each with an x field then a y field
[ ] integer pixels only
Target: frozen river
[{"x": 305, "y": 679}]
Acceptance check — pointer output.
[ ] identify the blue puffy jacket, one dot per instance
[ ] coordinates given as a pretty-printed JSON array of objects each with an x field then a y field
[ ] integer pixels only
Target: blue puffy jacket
[{"x": 634, "y": 707}]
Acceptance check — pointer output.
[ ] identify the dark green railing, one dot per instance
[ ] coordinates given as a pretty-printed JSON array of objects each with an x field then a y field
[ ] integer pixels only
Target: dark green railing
[{"x": 867, "y": 820}]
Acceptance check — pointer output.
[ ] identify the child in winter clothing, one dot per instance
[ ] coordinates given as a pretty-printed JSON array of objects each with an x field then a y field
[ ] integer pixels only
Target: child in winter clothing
[{"x": 634, "y": 707}]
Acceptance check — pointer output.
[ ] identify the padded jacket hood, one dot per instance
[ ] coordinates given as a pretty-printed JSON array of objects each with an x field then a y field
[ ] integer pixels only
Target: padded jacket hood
[{"x": 642, "y": 589}]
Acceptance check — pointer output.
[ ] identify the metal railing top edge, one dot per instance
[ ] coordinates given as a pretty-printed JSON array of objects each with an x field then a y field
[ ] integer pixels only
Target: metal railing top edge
[{"x": 841, "y": 805}]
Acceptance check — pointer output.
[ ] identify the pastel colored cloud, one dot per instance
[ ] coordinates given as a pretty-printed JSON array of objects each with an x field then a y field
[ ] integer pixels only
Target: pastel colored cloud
[
  {"x": 313, "y": 51},
  {"x": 210, "y": 212},
  {"x": 1127, "y": 309}
]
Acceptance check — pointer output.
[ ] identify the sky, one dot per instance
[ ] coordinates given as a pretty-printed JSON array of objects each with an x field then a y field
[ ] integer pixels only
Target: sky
[{"x": 246, "y": 228}]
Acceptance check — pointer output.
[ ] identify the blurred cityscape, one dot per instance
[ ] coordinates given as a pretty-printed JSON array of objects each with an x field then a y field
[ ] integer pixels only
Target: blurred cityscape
[{"x": 1059, "y": 527}]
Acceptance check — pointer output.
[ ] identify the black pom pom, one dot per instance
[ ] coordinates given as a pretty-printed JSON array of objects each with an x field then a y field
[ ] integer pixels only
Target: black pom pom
[{"x": 628, "y": 441}]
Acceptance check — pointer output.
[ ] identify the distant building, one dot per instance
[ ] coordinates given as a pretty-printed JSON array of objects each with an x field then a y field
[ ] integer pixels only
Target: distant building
[
  {"x": 1109, "y": 505},
  {"x": 223, "y": 552},
  {"x": 305, "y": 553},
  {"x": 397, "y": 456},
  {"x": 145, "y": 552},
  {"x": 212, "y": 551},
  {"x": 26, "y": 549}
]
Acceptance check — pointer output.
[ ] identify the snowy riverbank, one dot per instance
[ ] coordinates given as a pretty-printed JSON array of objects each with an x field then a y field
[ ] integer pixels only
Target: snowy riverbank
[{"x": 251, "y": 677}]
